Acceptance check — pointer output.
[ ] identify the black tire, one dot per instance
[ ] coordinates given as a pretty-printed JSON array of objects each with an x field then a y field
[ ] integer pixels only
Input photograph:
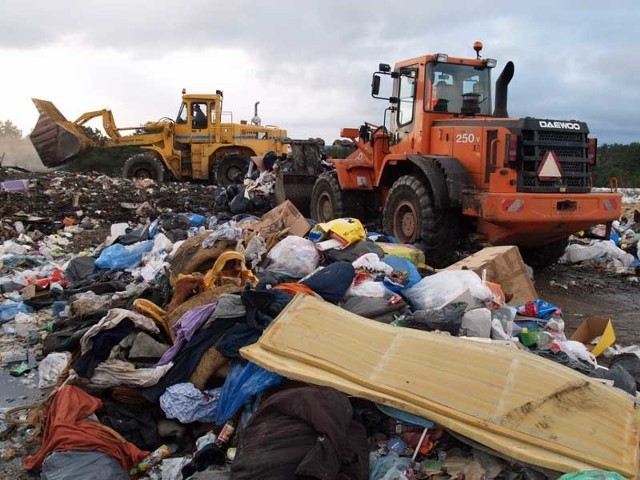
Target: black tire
[
  {"x": 231, "y": 169},
  {"x": 544, "y": 255},
  {"x": 329, "y": 201},
  {"x": 410, "y": 216},
  {"x": 143, "y": 165}
]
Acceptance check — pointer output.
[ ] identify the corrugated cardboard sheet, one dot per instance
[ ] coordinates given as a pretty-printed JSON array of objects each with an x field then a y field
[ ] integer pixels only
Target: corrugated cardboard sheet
[
  {"x": 515, "y": 402},
  {"x": 505, "y": 267}
]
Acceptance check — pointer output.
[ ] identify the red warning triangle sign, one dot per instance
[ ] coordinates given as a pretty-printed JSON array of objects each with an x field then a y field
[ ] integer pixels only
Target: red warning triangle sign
[{"x": 549, "y": 168}]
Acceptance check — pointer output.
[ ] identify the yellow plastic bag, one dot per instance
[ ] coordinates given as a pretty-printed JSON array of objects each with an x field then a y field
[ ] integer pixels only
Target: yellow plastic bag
[{"x": 345, "y": 230}]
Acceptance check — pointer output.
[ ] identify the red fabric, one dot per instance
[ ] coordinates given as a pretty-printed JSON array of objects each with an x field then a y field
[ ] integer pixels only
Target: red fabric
[
  {"x": 66, "y": 429},
  {"x": 293, "y": 288}
]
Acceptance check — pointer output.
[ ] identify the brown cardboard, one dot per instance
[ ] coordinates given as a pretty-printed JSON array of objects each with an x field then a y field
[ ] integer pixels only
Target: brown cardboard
[
  {"x": 285, "y": 215},
  {"x": 505, "y": 267},
  {"x": 592, "y": 328}
]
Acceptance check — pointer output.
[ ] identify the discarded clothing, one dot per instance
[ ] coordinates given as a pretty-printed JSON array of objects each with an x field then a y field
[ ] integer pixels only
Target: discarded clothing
[
  {"x": 229, "y": 306},
  {"x": 80, "y": 466},
  {"x": 295, "y": 288},
  {"x": 186, "y": 327},
  {"x": 101, "y": 347},
  {"x": 353, "y": 252},
  {"x": 135, "y": 423},
  {"x": 188, "y": 358},
  {"x": 67, "y": 429},
  {"x": 303, "y": 433},
  {"x": 80, "y": 268},
  {"x": 332, "y": 282},
  {"x": 146, "y": 349},
  {"x": 187, "y": 404}
]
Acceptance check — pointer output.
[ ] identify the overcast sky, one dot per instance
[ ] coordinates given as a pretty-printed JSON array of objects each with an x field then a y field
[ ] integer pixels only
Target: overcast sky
[{"x": 309, "y": 62}]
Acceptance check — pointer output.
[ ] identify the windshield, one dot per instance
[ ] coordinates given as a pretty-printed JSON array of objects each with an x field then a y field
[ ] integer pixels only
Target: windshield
[{"x": 450, "y": 87}]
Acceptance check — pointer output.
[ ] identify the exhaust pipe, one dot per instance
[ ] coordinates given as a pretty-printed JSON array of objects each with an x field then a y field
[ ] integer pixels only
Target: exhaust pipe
[{"x": 502, "y": 86}]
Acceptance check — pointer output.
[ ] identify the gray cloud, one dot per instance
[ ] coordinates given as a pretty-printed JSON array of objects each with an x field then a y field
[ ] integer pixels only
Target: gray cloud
[{"x": 574, "y": 59}]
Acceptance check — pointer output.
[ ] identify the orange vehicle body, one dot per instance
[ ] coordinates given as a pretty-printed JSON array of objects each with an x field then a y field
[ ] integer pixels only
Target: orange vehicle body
[{"x": 503, "y": 195}]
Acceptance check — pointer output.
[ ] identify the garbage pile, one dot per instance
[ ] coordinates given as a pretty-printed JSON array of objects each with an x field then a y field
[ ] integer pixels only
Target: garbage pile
[
  {"x": 197, "y": 346},
  {"x": 616, "y": 255}
]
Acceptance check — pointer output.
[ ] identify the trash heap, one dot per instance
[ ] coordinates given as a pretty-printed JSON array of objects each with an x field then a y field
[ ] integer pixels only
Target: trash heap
[
  {"x": 194, "y": 346},
  {"x": 617, "y": 254}
]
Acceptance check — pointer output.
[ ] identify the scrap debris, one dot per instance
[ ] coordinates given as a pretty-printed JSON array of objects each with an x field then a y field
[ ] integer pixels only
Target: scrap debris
[{"x": 172, "y": 338}]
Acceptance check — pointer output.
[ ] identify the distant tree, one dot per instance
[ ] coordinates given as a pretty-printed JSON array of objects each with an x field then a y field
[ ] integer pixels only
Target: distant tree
[
  {"x": 9, "y": 130},
  {"x": 621, "y": 161}
]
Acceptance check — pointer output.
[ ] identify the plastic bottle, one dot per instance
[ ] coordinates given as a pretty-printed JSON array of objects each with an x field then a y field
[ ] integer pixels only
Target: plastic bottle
[
  {"x": 555, "y": 326},
  {"x": 225, "y": 434},
  {"x": 529, "y": 337},
  {"x": 160, "y": 453}
]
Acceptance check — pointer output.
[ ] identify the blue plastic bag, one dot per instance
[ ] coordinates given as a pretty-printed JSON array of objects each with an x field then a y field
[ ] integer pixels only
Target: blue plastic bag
[
  {"x": 196, "y": 219},
  {"x": 538, "y": 309},
  {"x": 9, "y": 310},
  {"x": 241, "y": 385},
  {"x": 401, "y": 264},
  {"x": 119, "y": 257}
]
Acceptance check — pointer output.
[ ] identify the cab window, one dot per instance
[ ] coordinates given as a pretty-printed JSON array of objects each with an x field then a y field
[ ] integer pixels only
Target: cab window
[
  {"x": 199, "y": 114},
  {"x": 406, "y": 96},
  {"x": 182, "y": 114},
  {"x": 213, "y": 112}
]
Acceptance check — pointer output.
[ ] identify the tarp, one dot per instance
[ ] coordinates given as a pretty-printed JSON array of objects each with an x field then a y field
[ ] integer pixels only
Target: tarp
[{"x": 515, "y": 402}]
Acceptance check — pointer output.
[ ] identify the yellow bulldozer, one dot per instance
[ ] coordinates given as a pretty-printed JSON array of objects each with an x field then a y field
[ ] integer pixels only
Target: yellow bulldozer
[{"x": 197, "y": 145}]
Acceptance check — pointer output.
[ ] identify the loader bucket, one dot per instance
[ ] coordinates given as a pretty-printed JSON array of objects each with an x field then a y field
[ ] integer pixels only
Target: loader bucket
[
  {"x": 56, "y": 139},
  {"x": 297, "y": 188}
]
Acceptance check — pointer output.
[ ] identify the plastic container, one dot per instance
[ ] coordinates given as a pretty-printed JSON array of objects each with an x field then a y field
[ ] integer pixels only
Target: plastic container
[
  {"x": 555, "y": 326},
  {"x": 159, "y": 454},
  {"x": 529, "y": 337}
]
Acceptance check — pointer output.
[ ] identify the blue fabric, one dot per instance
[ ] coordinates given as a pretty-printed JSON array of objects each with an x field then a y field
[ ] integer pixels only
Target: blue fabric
[
  {"x": 184, "y": 402},
  {"x": 332, "y": 282},
  {"x": 404, "y": 416}
]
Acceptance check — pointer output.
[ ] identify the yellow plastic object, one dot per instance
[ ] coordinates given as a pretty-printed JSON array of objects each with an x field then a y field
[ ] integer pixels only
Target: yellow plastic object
[
  {"x": 347, "y": 230},
  {"x": 228, "y": 269},
  {"x": 156, "y": 313},
  {"x": 512, "y": 401},
  {"x": 607, "y": 339},
  {"x": 410, "y": 252}
]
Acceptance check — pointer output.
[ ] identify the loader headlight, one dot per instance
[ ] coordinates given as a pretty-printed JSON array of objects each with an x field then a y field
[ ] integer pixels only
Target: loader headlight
[
  {"x": 442, "y": 57},
  {"x": 490, "y": 62}
]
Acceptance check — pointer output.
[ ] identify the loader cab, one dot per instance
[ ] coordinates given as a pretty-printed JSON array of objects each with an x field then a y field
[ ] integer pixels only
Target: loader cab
[
  {"x": 198, "y": 119},
  {"x": 458, "y": 89}
]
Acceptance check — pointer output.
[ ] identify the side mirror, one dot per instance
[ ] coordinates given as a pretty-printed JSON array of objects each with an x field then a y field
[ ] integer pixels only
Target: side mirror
[{"x": 375, "y": 85}]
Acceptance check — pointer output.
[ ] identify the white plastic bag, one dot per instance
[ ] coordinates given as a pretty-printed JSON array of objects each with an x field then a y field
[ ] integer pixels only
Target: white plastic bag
[
  {"x": 51, "y": 367},
  {"x": 476, "y": 323},
  {"x": 437, "y": 290},
  {"x": 293, "y": 256}
]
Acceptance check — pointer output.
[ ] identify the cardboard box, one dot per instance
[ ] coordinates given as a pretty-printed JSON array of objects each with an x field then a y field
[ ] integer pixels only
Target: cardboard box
[
  {"x": 285, "y": 215},
  {"x": 592, "y": 328},
  {"x": 505, "y": 267}
]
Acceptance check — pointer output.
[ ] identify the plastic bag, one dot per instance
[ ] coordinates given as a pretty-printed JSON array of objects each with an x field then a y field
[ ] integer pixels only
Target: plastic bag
[
  {"x": 390, "y": 468},
  {"x": 243, "y": 383},
  {"x": 476, "y": 323},
  {"x": 187, "y": 404},
  {"x": 51, "y": 367},
  {"x": 294, "y": 257},
  {"x": 119, "y": 257},
  {"x": 538, "y": 309},
  {"x": 408, "y": 277},
  {"x": 441, "y": 288},
  {"x": 346, "y": 230}
]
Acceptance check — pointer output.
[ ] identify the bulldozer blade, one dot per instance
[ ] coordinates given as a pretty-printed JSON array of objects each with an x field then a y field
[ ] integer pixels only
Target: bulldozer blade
[
  {"x": 56, "y": 139},
  {"x": 297, "y": 188}
]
